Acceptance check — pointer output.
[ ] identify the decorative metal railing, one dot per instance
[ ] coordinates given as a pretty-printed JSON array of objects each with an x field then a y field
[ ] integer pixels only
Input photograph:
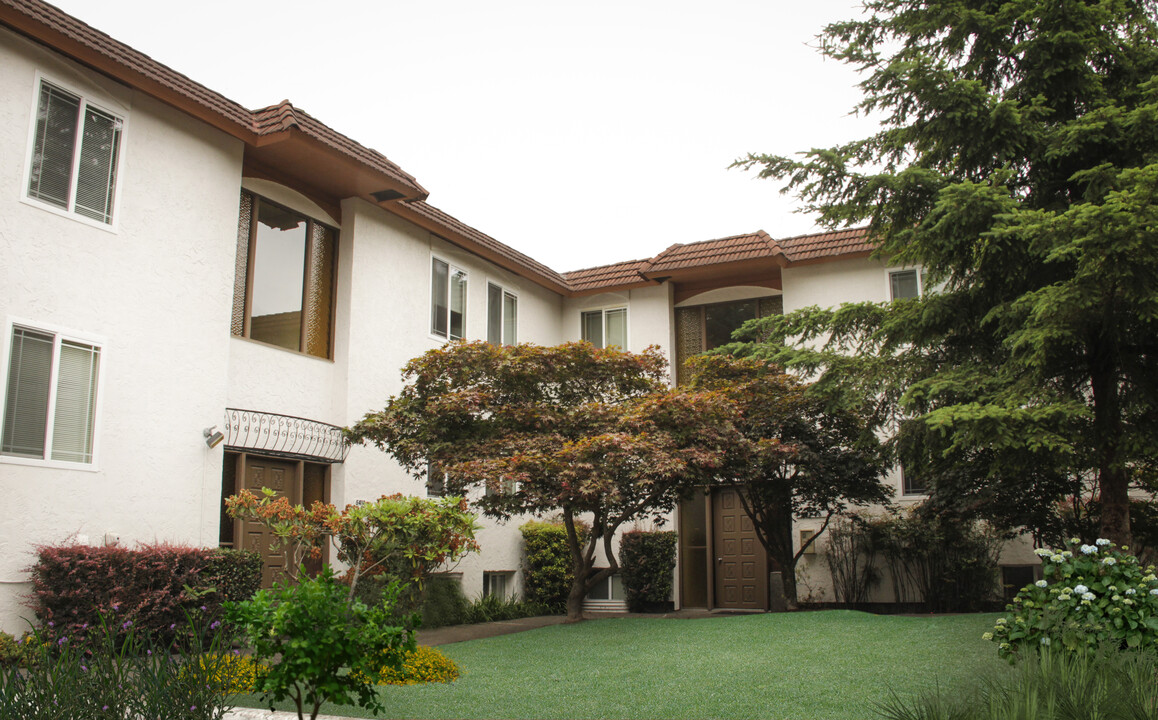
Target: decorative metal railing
[{"x": 284, "y": 436}]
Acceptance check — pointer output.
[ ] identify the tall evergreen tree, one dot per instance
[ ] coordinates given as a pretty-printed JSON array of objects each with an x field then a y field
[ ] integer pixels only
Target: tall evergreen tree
[{"x": 1017, "y": 164}]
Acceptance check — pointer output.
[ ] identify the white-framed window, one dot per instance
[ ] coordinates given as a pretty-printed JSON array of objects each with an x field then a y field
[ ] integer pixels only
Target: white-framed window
[
  {"x": 605, "y": 328},
  {"x": 502, "y": 486},
  {"x": 498, "y": 583},
  {"x": 502, "y": 316},
  {"x": 50, "y": 397},
  {"x": 75, "y": 148},
  {"x": 447, "y": 300},
  {"x": 905, "y": 284},
  {"x": 435, "y": 481},
  {"x": 911, "y": 484}
]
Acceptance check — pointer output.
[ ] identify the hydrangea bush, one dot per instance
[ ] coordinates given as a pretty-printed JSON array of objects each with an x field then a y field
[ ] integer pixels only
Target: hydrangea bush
[{"x": 1091, "y": 595}]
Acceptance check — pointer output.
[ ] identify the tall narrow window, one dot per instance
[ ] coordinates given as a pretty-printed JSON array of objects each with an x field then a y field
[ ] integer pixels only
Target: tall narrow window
[
  {"x": 75, "y": 153},
  {"x": 284, "y": 289},
  {"x": 447, "y": 300},
  {"x": 502, "y": 316},
  {"x": 50, "y": 402},
  {"x": 605, "y": 328}
]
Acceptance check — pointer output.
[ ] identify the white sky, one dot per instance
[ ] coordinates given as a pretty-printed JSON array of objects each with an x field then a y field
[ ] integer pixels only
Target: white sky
[{"x": 581, "y": 133}]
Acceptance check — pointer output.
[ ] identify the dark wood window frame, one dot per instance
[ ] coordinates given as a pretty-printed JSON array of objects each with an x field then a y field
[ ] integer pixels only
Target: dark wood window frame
[{"x": 319, "y": 284}]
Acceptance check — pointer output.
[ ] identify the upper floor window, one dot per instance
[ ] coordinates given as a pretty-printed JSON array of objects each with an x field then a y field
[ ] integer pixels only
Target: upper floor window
[
  {"x": 435, "y": 481},
  {"x": 75, "y": 153},
  {"x": 283, "y": 292},
  {"x": 904, "y": 284},
  {"x": 605, "y": 328},
  {"x": 911, "y": 484},
  {"x": 447, "y": 300},
  {"x": 502, "y": 316},
  {"x": 50, "y": 399}
]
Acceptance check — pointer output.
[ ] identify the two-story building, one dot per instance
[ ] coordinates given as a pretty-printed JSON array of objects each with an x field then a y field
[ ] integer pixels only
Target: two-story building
[{"x": 195, "y": 297}]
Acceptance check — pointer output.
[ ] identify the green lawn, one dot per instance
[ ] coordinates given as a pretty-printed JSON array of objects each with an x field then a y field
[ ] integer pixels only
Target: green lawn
[{"x": 829, "y": 665}]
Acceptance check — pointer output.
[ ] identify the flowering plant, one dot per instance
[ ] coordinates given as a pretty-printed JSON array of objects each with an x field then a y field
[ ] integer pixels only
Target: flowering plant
[{"x": 1090, "y": 595}]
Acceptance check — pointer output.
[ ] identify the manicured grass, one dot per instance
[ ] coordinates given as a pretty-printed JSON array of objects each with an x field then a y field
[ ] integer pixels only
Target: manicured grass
[{"x": 831, "y": 665}]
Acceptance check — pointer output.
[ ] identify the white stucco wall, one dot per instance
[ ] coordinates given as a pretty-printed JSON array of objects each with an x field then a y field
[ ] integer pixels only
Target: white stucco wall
[{"x": 155, "y": 289}]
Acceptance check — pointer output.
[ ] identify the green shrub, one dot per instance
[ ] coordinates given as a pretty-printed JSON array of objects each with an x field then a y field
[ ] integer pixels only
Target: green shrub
[
  {"x": 1091, "y": 595},
  {"x": 319, "y": 647},
  {"x": 647, "y": 560},
  {"x": 444, "y": 604},
  {"x": 13, "y": 651},
  {"x": 493, "y": 609},
  {"x": 547, "y": 564},
  {"x": 1048, "y": 685}
]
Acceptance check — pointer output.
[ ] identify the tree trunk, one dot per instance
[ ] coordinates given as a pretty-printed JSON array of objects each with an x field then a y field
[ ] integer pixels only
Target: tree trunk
[
  {"x": 1113, "y": 482},
  {"x": 575, "y": 600}
]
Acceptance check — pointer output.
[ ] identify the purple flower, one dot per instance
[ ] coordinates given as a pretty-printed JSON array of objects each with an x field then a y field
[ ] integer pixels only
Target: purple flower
[
  {"x": 106, "y": 707},
  {"x": 215, "y": 624},
  {"x": 203, "y": 608},
  {"x": 84, "y": 627},
  {"x": 148, "y": 652},
  {"x": 173, "y": 626},
  {"x": 51, "y": 624},
  {"x": 62, "y": 640},
  {"x": 126, "y": 624},
  {"x": 193, "y": 707},
  {"x": 116, "y": 606}
]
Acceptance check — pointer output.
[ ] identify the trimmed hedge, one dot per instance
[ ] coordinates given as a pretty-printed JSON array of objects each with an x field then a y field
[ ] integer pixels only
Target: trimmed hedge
[
  {"x": 547, "y": 564},
  {"x": 152, "y": 588},
  {"x": 647, "y": 560}
]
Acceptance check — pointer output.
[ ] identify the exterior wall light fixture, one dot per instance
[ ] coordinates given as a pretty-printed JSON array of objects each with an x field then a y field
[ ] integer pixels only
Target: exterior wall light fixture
[{"x": 213, "y": 436}]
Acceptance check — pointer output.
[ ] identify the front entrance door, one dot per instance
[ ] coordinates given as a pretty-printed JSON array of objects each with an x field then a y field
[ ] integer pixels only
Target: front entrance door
[
  {"x": 741, "y": 563},
  {"x": 281, "y": 477}
]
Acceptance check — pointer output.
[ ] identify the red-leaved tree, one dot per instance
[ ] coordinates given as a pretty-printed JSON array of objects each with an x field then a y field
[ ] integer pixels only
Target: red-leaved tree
[{"x": 594, "y": 434}]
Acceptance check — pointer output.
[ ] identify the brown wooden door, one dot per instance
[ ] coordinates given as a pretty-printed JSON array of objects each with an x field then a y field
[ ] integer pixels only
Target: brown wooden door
[
  {"x": 741, "y": 563},
  {"x": 281, "y": 477}
]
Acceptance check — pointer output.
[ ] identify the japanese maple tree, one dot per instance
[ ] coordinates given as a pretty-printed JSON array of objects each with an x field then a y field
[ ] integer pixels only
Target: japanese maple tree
[{"x": 592, "y": 434}]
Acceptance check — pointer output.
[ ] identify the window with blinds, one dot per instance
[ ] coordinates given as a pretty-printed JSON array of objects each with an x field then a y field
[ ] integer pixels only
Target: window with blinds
[
  {"x": 50, "y": 398},
  {"x": 75, "y": 151},
  {"x": 447, "y": 300},
  {"x": 502, "y": 316},
  {"x": 605, "y": 328}
]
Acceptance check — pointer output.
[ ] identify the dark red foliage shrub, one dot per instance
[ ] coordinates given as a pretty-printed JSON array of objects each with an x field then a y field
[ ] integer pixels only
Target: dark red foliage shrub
[{"x": 156, "y": 588}]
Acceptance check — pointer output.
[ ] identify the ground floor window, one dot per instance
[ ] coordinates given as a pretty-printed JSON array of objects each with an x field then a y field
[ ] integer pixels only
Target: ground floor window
[{"x": 498, "y": 584}]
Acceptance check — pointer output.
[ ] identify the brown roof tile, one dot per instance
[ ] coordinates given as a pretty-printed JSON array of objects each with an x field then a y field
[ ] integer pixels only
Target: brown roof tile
[
  {"x": 51, "y": 25},
  {"x": 607, "y": 276},
  {"x": 831, "y": 244},
  {"x": 715, "y": 252},
  {"x": 284, "y": 116}
]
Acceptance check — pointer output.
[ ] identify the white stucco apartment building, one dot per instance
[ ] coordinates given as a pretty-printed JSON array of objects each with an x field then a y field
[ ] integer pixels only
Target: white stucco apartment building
[{"x": 173, "y": 265}]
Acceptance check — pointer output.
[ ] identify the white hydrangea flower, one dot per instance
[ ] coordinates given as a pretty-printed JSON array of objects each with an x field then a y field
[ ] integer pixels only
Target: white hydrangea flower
[
  {"x": 987, "y": 636},
  {"x": 1116, "y": 598},
  {"x": 1057, "y": 558},
  {"x": 1130, "y": 591},
  {"x": 1150, "y": 578},
  {"x": 1109, "y": 561},
  {"x": 1000, "y": 621},
  {"x": 1067, "y": 554},
  {"x": 1154, "y": 591},
  {"x": 1089, "y": 549},
  {"x": 1081, "y": 589},
  {"x": 1045, "y": 641},
  {"x": 1043, "y": 552},
  {"x": 1041, "y": 583},
  {"x": 1075, "y": 541},
  {"x": 1101, "y": 542},
  {"x": 1088, "y": 596}
]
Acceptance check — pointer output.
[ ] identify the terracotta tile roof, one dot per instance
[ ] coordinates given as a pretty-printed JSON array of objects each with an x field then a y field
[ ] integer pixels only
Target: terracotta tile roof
[
  {"x": 715, "y": 252},
  {"x": 483, "y": 240},
  {"x": 823, "y": 245},
  {"x": 53, "y": 26},
  {"x": 615, "y": 275},
  {"x": 284, "y": 116}
]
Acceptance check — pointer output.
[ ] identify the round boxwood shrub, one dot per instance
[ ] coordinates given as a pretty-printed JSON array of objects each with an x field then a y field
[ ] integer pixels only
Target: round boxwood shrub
[
  {"x": 1091, "y": 595},
  {"x": 647, "y": 560}
]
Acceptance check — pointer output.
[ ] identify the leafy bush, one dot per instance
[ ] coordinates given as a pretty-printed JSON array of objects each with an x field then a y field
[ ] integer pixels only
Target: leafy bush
[
  {"x": 153, "y": 587},
  {"x": 647, "y": 560},
  {"x": 444, "y": 604},
  {"x": 13, "y": 651},
  {"x": 114, "y": 671},
  {"x": 1090, "y": 595},
  {"x": 422, "y": 665},
  {"x": 236, "y": 673},
  {"x": 850, "y": 558},
  {"x": 494, "y": 609},
  {"x": 1047, "y": 685},
  {"x": 548, "y": 568},
  {"x": 946, "y": 562},
  {"x": 319, "y": 646}
]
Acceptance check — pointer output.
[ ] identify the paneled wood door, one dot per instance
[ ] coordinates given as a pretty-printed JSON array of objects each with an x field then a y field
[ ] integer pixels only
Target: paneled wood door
[
  {"x": 280, "y": 476},
  {"x": 741, "y": 562}
]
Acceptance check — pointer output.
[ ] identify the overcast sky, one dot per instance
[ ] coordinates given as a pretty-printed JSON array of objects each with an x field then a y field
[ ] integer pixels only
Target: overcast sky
[{"x": 579, "y": 133}]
